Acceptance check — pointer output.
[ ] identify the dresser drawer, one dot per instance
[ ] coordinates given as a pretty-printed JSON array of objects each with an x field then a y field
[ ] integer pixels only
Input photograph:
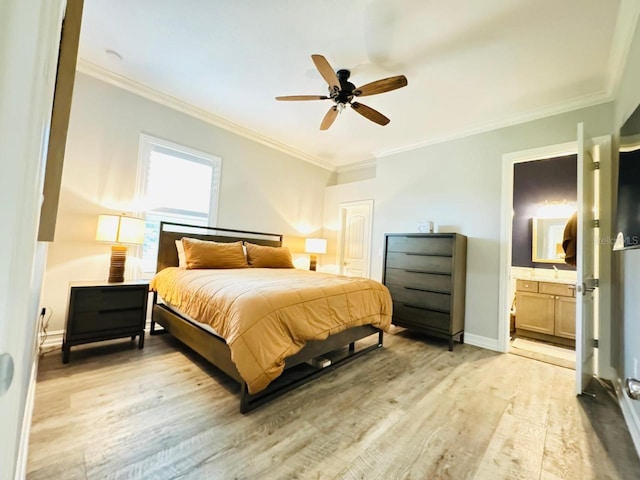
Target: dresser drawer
[
  {"x": 562, "y": 289},
  {"x": 435, "y": 246},
  {"x": 92, "y": 322},
  {"x": 425, "y": 281},
  {"x": 420, "y": 298},
  {"x": 108, "y": 298},
  {"x": 526, "y": 285},
  {"x": 420, "y": 263},
  {"x": 404, "y": 315}
]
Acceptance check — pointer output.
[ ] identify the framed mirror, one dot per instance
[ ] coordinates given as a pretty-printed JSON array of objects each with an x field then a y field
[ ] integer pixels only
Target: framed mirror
[{"x": 547, "y": 240}]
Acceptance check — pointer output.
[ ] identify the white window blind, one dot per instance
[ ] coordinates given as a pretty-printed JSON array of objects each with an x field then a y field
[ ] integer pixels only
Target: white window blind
[{"x": 179, "y": 185}]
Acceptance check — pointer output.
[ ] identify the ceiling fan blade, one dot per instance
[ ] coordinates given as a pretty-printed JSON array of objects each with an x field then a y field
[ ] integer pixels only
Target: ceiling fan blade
[
  {"x": 381, "y": 86},
  {"x": 370, "y": 113},
  {"x": 328, "y": 119},
  {"x": 302, "y": 97},
  {"x": 326, "y": 71}
]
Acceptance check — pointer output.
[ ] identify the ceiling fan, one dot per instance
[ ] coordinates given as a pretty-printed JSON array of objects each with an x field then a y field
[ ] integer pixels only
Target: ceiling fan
[{"x": 342, "y": 92}]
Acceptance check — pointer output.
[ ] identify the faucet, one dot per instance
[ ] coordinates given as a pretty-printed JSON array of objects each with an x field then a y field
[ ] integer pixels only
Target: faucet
[{"x": 556, "y": 271}]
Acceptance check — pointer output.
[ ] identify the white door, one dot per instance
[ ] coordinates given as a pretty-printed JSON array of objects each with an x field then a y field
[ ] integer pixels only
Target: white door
[
  {"x": 29, "y": 35},
  {"x": 585, "y": 262},
  {"x": 355, "y": 238}
]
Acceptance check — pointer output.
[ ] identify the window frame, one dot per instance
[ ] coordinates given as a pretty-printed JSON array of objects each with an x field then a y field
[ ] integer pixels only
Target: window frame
[{"x": 149, "y": 144}]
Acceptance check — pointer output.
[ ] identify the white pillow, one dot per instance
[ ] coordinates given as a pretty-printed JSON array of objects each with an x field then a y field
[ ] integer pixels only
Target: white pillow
[{"x": 182, "y": 260}]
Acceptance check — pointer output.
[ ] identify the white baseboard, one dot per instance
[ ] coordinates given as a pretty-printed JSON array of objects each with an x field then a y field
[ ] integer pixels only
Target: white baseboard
[
  {"x": 54, "y": 339},
  {"x": 482, "y": 342},
  {"x": 23, "y": 447},
  {"x": 629, "y": 412}
]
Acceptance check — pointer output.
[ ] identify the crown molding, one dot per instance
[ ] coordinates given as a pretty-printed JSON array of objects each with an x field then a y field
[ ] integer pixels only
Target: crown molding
[
  {"x": 626, "y": 24},
  {"x": 96, "y": 71},
  {"x": 349, "y": 167},
  {"x": 537, "y": 114}
]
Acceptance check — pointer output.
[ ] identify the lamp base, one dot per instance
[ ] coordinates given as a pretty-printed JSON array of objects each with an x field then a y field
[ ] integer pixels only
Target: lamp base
[
  {"x": 118, "y": 259},
  {"x": 313, "y": 262}
]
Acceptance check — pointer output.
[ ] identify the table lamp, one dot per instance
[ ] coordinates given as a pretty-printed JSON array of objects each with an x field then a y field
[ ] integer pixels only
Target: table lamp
[
  {"x": 314, "y": 246},
  {"x": 119, "y": 230}
]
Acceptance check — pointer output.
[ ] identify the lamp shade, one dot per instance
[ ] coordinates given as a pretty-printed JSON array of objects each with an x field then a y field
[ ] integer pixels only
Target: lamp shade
[
  {"x": 315, "y": 245},
  {"x": 120, "y": 229}
]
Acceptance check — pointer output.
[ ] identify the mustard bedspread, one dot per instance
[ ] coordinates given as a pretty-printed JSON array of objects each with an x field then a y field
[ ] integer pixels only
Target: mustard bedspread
[{"x": 267, "y": 315}]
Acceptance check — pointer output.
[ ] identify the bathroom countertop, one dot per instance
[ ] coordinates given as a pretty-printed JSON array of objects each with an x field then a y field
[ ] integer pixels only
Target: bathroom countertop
[{"x": 566, "y": 281}]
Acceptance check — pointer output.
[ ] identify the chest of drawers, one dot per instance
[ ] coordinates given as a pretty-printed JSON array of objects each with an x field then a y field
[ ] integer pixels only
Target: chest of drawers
[{"x": 426, "y": 275}]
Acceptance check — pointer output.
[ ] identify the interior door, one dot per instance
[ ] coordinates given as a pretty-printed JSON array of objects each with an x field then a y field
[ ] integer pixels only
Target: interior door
[
  {"x": 27, "y": 78},
  {"x": 355, "y": 242},
  {"x": 585, "y": 263}
]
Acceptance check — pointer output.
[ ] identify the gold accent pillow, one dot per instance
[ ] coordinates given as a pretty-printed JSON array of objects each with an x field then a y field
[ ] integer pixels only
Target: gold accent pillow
[
  {"x": 203, "y": 254},
  {"x": 268, "y": 257}
]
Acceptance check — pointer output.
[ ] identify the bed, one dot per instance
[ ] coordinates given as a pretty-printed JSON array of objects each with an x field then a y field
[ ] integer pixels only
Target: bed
[{"x": 271, "y": 330}]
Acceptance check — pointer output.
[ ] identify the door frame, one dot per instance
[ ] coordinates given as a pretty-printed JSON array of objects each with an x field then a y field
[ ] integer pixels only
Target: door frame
[
  {"x": 604, "y": 363},
  {"x": 342, "y": 207}
]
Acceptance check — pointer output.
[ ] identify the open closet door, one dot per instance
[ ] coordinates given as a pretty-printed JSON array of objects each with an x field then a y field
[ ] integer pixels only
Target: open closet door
[{"x": 585, "y": 263}]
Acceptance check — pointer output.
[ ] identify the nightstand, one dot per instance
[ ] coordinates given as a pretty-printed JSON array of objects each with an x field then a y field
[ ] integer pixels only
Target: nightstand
[{"x": 100, "y": 311}]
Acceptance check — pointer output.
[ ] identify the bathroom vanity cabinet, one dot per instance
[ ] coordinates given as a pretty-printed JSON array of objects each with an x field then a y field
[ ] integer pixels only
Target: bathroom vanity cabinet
[{"x": 546, "y": 310}]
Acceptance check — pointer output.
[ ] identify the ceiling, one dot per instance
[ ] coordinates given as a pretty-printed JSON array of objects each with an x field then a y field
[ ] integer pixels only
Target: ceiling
[{"x": 471, "y": 65}]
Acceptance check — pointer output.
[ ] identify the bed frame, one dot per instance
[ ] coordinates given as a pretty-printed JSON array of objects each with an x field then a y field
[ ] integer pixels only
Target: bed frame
[{"x": 299, "y": 368}]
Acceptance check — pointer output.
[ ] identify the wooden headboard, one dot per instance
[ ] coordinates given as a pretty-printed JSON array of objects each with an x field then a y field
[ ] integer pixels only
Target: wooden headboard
[{"x": 170, "y": 232}]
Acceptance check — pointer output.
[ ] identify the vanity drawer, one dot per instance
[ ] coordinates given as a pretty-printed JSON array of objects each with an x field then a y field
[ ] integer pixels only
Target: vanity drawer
[
  {"x": 526, "y": 285},
  {"x": 562, "y": 289}
]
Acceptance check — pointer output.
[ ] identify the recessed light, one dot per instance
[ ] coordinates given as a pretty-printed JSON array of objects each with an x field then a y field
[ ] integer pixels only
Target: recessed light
[{"x": 113, "y": 54}]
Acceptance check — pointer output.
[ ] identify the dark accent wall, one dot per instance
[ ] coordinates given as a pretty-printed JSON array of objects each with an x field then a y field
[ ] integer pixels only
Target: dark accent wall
[{"x": 552, "y": 180}]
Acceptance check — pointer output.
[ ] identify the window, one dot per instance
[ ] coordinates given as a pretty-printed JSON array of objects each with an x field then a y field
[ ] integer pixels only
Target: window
[{"x": 179, "y": 185}]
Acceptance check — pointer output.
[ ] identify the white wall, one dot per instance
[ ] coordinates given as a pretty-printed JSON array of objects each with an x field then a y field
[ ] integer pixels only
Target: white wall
[
  {"x": 261, "y": 188},
  {"x": 457, "y": 184},
  {"x": 626, "y": 282}
]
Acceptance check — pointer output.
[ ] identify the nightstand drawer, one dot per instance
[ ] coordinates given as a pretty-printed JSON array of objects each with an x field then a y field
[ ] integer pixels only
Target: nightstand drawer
[
  {"x": 420, "y": 298},
  {"x": 422, "y": 263},
  {"x": 108, "y": 298},
  {"x": 91, "y": 322},
  {"x": 436, "y": 246},
  {"x": 405, "y": 315},
  {"x": 426, "y": 281}
]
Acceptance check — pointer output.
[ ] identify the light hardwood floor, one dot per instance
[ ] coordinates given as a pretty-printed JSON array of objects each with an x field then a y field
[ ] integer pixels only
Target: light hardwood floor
[{"x": 412, "y": 410}]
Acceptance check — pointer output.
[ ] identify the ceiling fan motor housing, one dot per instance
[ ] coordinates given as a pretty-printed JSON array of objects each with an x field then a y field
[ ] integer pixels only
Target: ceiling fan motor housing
[{"x": 345, "y": 95}]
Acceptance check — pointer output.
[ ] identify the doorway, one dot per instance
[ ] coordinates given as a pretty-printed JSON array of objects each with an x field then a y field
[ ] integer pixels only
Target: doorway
[
  {"x": 354, "y": 240},
  {"x": 542, "y": 281},
  {"x": 600, "y": 353}
]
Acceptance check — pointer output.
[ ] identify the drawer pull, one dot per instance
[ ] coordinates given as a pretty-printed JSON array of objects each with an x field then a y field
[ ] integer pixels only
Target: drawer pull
[
  {"x": 416, "y": 289},
  {"x": 424, "y": 309},
  {"x": 408, "y": 270}
]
